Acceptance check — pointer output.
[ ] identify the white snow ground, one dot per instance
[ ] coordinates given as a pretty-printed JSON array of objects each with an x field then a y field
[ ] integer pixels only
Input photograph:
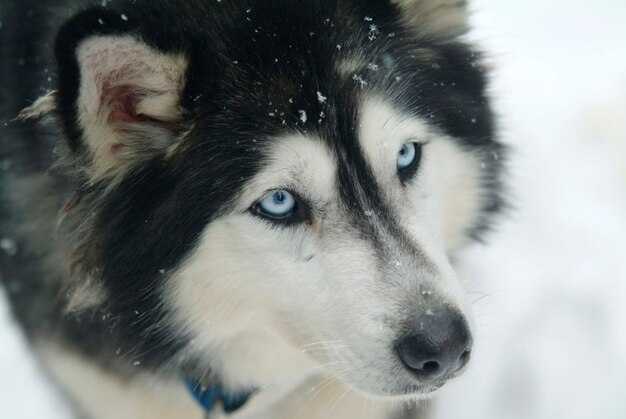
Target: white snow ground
[{"x": 551, "y": 284}]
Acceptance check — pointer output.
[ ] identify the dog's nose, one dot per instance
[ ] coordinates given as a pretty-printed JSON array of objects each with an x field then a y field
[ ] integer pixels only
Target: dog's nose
[{"x": 437, "y": 343}]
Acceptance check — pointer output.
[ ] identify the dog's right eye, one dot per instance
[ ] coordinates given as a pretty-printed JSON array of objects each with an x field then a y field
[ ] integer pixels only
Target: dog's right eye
[{"x": 281, "y": 206}]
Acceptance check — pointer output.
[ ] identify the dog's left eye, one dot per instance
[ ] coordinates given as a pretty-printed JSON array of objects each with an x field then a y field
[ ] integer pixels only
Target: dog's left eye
[
  {"x": 278, "y": 205},
  {"x": 409, "y": 157}
]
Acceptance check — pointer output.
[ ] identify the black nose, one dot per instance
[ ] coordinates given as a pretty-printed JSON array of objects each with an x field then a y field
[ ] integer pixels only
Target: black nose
[{"x": 436, "y": 344}]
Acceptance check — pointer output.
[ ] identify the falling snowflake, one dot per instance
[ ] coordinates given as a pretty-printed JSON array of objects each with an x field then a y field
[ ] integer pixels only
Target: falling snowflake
[{"x": 373, "y": 33}]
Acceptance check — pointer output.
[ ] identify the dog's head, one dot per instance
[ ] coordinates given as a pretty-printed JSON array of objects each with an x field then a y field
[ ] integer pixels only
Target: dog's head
[{"x": 275, "y": 188}]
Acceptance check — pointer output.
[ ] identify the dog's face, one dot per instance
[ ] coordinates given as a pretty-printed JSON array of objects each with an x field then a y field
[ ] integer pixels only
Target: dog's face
[
  {"x": 282, "y": 191},
  {"x": 341, "y": 250}
]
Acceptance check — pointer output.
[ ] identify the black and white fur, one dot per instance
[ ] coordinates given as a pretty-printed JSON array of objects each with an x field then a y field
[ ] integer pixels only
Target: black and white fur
[{"x": 133, "y": 251}]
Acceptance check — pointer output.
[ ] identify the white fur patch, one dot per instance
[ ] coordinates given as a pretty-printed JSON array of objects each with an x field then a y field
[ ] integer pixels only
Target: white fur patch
[
  {"x": 442, "y": 19},
  {"x": 101, "y": 395},
  {"x": 86, "y": 293},
  {"x": 350, "y": 67},
  {"x": 42, "y": 106}
]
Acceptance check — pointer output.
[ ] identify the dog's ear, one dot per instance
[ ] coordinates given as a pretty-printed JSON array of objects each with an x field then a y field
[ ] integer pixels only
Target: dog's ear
[
  {"x": 118, "y": 98},
  {"x": 440, "y": 20}
]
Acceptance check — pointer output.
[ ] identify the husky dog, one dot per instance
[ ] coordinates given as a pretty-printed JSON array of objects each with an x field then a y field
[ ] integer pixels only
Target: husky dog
[{"x": 253, "y": 203}]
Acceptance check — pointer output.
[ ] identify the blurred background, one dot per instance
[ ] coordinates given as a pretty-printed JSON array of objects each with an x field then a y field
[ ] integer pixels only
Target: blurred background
[{"x": 549, "y": 289}]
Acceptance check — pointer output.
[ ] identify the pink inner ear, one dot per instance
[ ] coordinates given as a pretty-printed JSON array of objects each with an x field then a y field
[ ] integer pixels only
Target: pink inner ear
[
  {"x": 121, "y": 116},
  {"x": 129, "y": 99},
  {"x": 122, "y": 101},
  {"x": 122, "y": 104},
  {"x": 125, "y": 71}
]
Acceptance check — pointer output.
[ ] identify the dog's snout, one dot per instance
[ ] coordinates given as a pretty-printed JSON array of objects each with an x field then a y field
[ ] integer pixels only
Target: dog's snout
[{"x": 436, "y": 344}]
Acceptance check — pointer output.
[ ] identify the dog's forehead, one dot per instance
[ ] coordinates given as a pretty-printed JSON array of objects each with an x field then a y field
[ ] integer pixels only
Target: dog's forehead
[
  {"x": 282, "y": 68},
  {"x": 367, "y": 145}
]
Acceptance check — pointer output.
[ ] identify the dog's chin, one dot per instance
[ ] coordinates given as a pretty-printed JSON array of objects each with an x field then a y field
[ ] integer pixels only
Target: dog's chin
[
  {"x": 408, "y": 392},
  {"x": 419, "y": 392}
]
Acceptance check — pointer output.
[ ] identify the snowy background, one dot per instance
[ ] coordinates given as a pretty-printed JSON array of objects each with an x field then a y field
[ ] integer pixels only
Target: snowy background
[{"x": 550, "y": 287}]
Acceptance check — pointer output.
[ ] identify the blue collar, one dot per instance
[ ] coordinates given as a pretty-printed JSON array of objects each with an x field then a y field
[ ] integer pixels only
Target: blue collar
[{"x": 207, "y": 397}]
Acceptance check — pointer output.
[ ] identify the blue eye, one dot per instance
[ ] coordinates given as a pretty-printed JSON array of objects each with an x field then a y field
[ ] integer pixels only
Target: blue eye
[
  {"x": 279, "y": 204},
  {"x": 407, "y": 156}
]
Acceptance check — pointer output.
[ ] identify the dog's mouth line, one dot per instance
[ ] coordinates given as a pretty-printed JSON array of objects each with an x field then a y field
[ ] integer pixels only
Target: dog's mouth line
[
  {"x": 411, "y": 392},
  {"x": 411, "y": 395}
]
